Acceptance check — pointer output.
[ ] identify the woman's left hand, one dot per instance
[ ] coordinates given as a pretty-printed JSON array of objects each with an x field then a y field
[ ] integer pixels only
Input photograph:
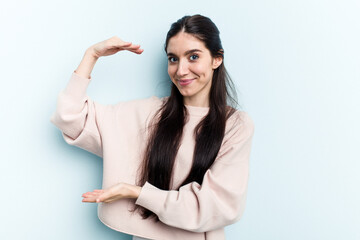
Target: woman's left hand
[{"x": 116, "y": 192}]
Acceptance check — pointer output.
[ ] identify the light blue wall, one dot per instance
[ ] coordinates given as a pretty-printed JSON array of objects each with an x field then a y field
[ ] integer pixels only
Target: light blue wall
[{"x": 296, "y": 65}]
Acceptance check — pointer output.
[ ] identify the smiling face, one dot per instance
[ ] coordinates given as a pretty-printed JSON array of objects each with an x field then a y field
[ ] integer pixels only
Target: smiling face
[{"x": 191, "y": 68}]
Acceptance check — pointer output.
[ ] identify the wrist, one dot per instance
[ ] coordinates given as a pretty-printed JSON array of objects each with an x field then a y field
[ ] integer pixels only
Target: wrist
[
  {"x": 133, "y": 191},
  {"x": 91, "y": 53},
  {"x": 87, "y": 64}
]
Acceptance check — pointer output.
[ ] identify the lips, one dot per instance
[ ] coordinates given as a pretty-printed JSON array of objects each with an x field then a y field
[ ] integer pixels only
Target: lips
[{"x": 184, "y": 82}]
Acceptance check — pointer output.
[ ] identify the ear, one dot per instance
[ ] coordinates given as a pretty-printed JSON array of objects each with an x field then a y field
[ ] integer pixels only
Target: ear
[{"x": 216, "y": 62}]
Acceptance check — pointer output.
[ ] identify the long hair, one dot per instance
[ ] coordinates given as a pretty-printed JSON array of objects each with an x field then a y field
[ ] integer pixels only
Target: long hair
[{"x": 167, "y": 128}]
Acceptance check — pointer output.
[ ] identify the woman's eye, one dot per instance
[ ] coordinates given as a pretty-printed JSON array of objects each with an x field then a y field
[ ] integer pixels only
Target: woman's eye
[{"x": 194, "y": 57}]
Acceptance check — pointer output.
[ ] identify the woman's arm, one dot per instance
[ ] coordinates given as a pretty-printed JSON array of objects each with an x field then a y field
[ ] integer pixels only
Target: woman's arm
[
  {"x": 220, "y": 199},
  {"x": 76, "y": 115}
]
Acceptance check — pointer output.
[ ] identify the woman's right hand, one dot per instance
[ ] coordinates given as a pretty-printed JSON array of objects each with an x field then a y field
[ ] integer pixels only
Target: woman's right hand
[
  {"x": 112, "y": 46},
  {"x": 104, "y": 48}
]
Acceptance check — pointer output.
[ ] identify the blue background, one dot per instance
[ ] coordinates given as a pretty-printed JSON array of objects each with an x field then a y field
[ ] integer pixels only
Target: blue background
[{"x": 296, "y": 67}]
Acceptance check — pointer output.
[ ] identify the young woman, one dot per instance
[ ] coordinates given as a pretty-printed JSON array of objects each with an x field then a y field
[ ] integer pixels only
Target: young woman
[{"x": 174, "y": 167}]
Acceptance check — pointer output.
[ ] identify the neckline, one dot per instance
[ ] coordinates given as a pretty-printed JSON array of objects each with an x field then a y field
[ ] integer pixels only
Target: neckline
[{"x": 197, "y": 111}]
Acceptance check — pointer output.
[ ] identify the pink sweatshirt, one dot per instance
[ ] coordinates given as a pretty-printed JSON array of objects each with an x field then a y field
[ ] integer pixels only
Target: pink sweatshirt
[{"x": 118, "y": 134}]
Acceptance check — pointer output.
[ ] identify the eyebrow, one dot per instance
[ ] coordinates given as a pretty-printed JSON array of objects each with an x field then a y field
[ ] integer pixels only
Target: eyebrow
[{"x": 186, "y": 53}]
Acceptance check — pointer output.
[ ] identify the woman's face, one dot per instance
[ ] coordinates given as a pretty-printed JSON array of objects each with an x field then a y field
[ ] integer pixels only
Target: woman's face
[{"x": 191, "y": 67}]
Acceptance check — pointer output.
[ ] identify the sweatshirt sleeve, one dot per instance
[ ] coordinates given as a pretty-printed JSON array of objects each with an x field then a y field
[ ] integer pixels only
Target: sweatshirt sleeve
[
  {"x": 220, "y": 200},
  {"x": 77, "y": 116}
]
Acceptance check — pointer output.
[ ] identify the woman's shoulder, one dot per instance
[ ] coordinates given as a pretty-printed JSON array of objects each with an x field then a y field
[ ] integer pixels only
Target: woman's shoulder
[
  {"x": 239, "y": 124},
  {"x": 238, "y": 116}
]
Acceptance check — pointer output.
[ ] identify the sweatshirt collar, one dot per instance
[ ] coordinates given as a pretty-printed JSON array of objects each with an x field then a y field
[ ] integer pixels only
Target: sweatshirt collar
[{"x": 197, "y": 111}]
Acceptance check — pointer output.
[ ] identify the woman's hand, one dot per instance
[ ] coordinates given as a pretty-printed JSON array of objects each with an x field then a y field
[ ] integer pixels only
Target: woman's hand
[
  {"x": 112, "y": 46},
  {"x": 116, "y": 192}
]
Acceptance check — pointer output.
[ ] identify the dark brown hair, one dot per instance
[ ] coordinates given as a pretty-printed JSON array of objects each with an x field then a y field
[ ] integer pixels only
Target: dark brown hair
[{"x": 167, "y": 128}]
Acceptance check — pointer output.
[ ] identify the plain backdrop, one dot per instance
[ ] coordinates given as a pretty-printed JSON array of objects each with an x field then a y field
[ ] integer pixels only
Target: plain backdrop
[{"x": 296, "y": 68}]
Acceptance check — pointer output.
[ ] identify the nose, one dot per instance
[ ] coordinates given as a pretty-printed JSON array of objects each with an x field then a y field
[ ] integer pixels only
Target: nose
[{"x": 182, "y": 69}]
